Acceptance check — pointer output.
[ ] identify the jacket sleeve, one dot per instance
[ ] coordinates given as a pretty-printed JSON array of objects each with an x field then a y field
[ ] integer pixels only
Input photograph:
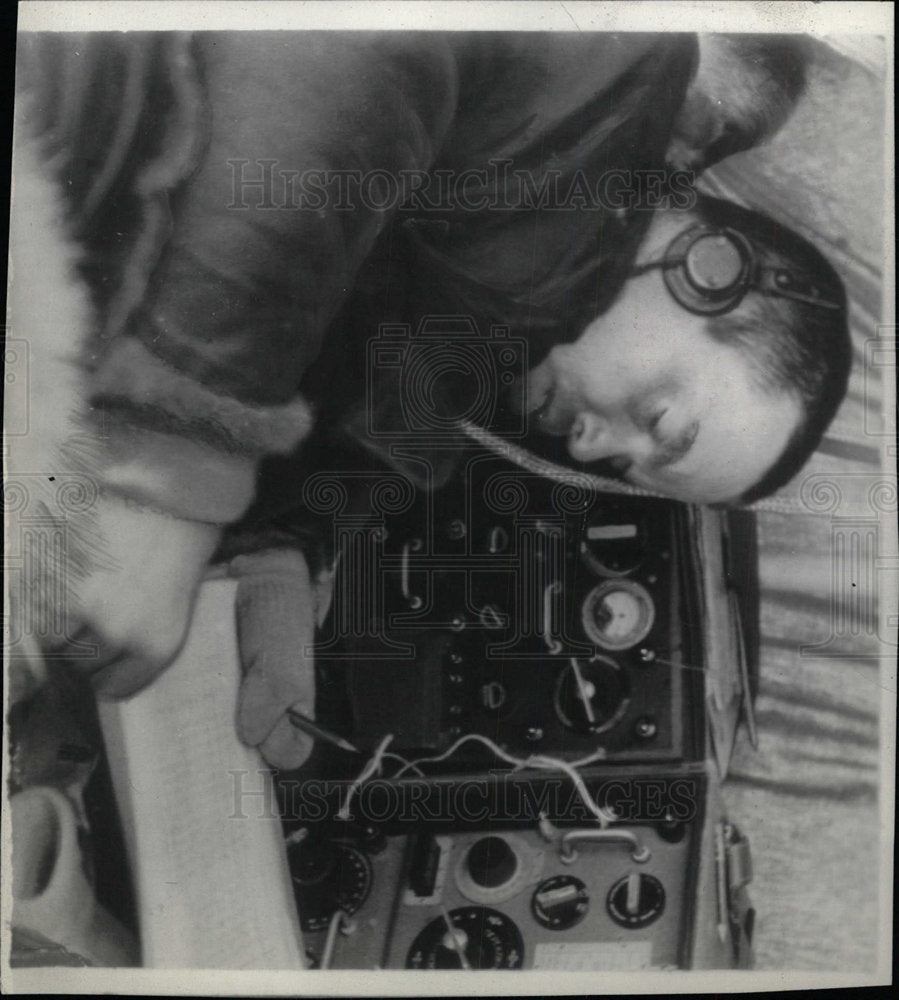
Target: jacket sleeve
[{"x": 197, "y": 170}]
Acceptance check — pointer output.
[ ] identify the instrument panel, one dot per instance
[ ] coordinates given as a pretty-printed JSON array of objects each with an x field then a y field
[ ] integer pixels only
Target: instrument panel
[
  {"x": 549, "y": 619},
  {"x": 500, "y": 899},
  {"x": 506, "y": 618}
]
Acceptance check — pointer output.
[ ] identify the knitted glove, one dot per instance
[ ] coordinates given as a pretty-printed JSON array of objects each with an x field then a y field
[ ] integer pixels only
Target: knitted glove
[{"x": 278, "y": 606}]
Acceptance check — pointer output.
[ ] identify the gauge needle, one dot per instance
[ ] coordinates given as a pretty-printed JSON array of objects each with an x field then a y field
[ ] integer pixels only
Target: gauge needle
[
  {"x": 454, "y": 937},
  {"x": 583, "y": 692}
]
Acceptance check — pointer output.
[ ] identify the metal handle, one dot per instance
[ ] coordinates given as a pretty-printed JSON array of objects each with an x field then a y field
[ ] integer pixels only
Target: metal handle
[
  {"x": 567, "y": 854},
  {"x": 553, "y": 645}
]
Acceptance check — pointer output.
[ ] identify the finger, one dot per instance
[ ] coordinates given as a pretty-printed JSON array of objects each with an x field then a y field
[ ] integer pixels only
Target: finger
[
  {"x": 124, "y": 662},
  {"x": 125, "y": 675},
  {"x": 271, "y": 686},
  {"x": 286, "y": 747},
  {"x": 275, "y": 628}
]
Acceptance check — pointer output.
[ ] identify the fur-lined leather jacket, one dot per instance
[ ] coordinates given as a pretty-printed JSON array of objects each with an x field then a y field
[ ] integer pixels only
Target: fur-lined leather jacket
[{"x": 235, "y": 196}]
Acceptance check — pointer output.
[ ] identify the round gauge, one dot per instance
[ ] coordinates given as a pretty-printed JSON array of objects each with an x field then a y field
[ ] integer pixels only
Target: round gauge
[
  {"x": 327, "y": 877},
  {"x": 614, "y": 545},
  {"x": 618, "y": 614},
  {"x": 636, "y": 900},
  {"x": 591, "y": 696},
  {"x": 473, "y": 937},
  {"x": 560, "y": 902}
]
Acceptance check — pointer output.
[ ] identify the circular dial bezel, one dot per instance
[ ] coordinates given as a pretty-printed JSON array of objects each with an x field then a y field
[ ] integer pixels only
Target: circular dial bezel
[
  {"x": 600, "y": 564},
  {"x": 481, "y": 926},
  {"x": 347, "y": 858},
  {"x": 575, "y": 911},
  {"x": 646, "y": 613},
  {"x": 636, "y": 920},
  {"x": 587, "y": 667},
  {"x": 527, "y": 871}
]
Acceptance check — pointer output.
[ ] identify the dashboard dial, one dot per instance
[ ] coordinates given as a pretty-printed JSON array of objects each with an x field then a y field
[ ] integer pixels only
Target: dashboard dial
[
  {"x": 560, "y": 902},
  {"x": 618, "y": 614},
  {"x": 327, "y": 877},
  {"x": 636, "y": 900},
  {"x": 480, "y": 938},
  {"x": 615, "y": 545},
  {"x": 591, "y": 696}
]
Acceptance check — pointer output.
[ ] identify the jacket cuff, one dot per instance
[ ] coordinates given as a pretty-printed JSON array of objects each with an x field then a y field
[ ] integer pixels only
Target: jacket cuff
[
  {"x": 136, "y": 385},
  {"x": 184, "y": 478},
  {"x": 175, "y": 444}
]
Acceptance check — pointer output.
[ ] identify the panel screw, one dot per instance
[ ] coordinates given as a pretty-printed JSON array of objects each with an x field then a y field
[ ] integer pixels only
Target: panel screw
[{"x": 645, "y": 728}]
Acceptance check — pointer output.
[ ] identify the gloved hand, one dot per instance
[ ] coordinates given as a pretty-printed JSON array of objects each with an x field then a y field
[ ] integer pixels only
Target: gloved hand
[
  {"x": 278, "y": 607},
  {"x": 135, "y": 600}
]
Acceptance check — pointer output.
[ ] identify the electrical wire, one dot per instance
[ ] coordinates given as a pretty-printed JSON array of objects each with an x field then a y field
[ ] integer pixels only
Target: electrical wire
[
  {"x": 537, "y": 762},
  {"x": 374, "y": 764},
  {"x": 550, "y": 470},
  {"x": 337, "y": 918}
]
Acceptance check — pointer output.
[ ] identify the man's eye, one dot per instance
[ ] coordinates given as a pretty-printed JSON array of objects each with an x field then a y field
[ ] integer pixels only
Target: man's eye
[{"x": 655, "y": 418}]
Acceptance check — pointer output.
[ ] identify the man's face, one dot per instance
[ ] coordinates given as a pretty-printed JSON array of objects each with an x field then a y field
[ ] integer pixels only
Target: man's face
[{"x": 676, "y": 412}]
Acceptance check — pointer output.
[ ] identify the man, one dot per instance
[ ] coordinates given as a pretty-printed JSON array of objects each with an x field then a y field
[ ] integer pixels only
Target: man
[
  {"x": 213, "y": 291},
  {"x": 690, "y": 391},
  {"x": 710, "y": 378}
]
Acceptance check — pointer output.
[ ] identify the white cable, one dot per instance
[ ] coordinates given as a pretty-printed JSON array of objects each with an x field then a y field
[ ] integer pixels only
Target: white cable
[
  {"x": 373, "y": 765},
  {"x": 337, "y": 919},
  {"x": 537, "y": 761},
  {"x": 402, "y": 760},
  {"x": 550, "y": 470}
]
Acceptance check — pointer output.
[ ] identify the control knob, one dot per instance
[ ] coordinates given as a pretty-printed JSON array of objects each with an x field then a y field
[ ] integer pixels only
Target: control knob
[{"x": 636, "y": 900}]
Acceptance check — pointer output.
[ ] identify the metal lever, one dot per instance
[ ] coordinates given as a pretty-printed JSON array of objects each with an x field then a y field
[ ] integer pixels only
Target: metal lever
[
  {"x": 553, "y": 645},
  {"x": 568, "y": 855}
]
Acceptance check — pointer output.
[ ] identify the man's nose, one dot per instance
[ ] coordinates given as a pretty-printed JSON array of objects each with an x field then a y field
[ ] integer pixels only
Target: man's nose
[{"x": 593, "y": 438}]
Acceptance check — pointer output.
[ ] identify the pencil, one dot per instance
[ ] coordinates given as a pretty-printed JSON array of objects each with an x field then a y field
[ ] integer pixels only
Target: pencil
[{"x": 314, "y": 729}]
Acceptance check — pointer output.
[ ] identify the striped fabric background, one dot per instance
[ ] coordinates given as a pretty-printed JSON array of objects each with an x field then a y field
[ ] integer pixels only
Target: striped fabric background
[{"x": 808, "y": 796}]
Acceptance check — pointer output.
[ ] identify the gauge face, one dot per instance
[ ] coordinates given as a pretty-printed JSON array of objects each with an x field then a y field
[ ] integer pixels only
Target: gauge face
[
  {"x": 614, "y": 546},
  {"x": 484, "y": 938},
  {"x": 618, "y": 614},
  {"x": 591, "y": 696},
  {"x": 560, "y": 902},
  {"x": 327, "y": 878}
]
